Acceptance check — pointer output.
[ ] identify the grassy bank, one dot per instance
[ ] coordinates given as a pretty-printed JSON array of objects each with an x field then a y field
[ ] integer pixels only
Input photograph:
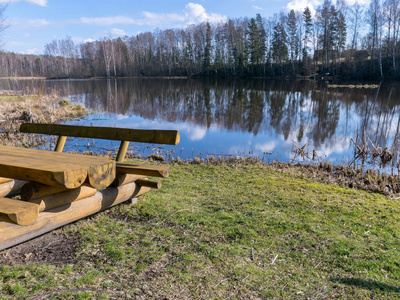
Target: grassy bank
[{"x": 220, "y": 231}]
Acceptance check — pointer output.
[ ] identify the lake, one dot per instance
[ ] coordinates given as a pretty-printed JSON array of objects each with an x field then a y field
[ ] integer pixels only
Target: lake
[{"x": 268, "y": 119}]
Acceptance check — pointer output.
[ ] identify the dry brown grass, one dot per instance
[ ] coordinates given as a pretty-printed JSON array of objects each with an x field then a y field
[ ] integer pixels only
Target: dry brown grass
[{"x": 33, "y": 109}]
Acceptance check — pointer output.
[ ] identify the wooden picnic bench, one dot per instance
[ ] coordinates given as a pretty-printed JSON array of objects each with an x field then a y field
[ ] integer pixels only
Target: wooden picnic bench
[{"x": 57, "y": 188}]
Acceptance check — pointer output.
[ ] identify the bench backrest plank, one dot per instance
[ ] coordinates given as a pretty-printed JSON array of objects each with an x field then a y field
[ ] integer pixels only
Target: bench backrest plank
[
  {"x": 168, "y": 137},
  {"x": 125, "y": 135}
]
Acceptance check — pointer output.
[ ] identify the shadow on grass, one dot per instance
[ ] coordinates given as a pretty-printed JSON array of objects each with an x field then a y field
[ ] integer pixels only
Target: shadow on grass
[{"x": 367, "y": 284}]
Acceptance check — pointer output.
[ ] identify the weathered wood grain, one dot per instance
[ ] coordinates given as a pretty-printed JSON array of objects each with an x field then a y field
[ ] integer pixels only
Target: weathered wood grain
[
  {"x": 56, "y": 200},
  {"x": 20, "y": 212},
  {"x": 32, "y": 190},
  {"x": 149, "y": 183},
  {"x": 101, "y": 176},
  {"x": 11, "y": 188},
  {"x": 11, "y": 234},
  {"x": 52, "y": 168},
  {"x": 3, "y": 179},
  {"x": 169, "y": 137},
  {"x": 146, "y": 170},
  {"x": 122, "y": 151},
  {"x": 121, "y": 179},
  {"x": 60, "y": 144}
]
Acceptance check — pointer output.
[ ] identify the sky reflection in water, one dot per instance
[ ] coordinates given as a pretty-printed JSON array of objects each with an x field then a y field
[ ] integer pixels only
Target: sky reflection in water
[{"x": 236, "y": 117}]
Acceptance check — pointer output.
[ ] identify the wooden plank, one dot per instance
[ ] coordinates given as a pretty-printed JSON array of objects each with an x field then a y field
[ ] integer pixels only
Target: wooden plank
[
  {"x": 146, "y": 170},
  {"x": 169, "y": 137},
  {"x": 121, "y": 179},
  {"x": 11, "y": 234},
  {"x": 98, "y": 167},
  {"x": 60, "y": 158},
  {"x": 149, "y": 183},
  {"x": 52, "y": 168},
  {"x": 68, "y": 178},
  {"x": 20, "y": 212},
  {"x": 51, "y": 201}
]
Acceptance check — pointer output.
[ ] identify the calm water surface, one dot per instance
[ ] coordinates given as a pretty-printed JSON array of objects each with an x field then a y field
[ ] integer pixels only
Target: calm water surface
[{"x": 235, "y": 117}]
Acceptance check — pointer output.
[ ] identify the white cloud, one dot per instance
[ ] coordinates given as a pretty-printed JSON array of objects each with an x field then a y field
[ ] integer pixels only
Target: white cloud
[
  {"x": 192, "y": 14},
  {"x": 120, "y": 117},
  {"x": 195, "y": 13},
  {"x": 257, "y": 7},
  {"x": 106, "y": 21},
  {"x": 361, "y": 2},
  {"x": 37, "y": 2},
  {"x": 36, "y": 23},
  {"x": 29, "y": 23},
  {"x": 31, "y": 51},
  {"x": 89, "y": 40},
  {"x": 266, "y": 147},
  {"x": 300, "y": 5},
  {"x": 26, "y": 35},
  {"x": 77, "y": 39},
  {"x": 117, "y": 32},
  {"x": 197, "y": 133},
  {"x": 155, "y": 19}
]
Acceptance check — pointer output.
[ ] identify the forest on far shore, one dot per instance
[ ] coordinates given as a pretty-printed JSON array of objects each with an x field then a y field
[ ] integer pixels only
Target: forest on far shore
[{"x": 346, "y": 42}]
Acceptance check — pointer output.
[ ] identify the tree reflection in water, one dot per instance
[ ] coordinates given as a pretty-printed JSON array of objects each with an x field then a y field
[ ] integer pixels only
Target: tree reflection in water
[{"x": 238, "y": 117}]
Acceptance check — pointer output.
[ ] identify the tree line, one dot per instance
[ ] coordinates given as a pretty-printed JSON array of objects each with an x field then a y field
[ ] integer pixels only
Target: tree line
[{"x": 340, "y": 40}]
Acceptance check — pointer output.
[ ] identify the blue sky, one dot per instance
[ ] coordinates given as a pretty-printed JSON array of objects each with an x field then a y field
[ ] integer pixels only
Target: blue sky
[{"x": 34, "y": 23}]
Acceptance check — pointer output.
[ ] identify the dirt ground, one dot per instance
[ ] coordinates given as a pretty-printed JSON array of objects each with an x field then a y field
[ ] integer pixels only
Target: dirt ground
[{"x": 51, "y": 248}]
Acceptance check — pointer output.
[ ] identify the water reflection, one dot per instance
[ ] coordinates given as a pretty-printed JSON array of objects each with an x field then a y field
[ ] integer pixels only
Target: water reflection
[{"x": 240, "y": 117}]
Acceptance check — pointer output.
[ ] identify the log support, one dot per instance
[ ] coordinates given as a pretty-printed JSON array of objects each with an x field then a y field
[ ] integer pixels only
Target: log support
[
  {"x": 12, "y": 234},
  {"x": 122, "y": 151},
  {"x": 60, "y": 143}
]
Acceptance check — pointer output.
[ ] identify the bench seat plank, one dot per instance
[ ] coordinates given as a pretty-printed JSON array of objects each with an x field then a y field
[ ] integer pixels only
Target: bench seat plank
[
  {"x": 20, "y": 212},
  {"x": 146, "y": 170},
  {"x": 52, "y": 168}
]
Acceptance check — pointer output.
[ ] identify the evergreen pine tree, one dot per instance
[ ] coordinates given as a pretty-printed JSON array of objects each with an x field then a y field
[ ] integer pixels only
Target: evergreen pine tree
[{"x": 207, "y": 50}]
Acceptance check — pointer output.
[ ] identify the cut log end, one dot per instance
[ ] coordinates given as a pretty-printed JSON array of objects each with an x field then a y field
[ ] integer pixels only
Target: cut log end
[{"x": 101, "y": 176}]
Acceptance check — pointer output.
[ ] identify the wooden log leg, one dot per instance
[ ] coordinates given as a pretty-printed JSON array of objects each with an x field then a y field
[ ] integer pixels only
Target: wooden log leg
[
  {"x": 11, "y": 234},
  {"x": 121, "y": 179},
  {"x": 3, "y": 179},
  {"x": 60, "y": 143},
  {"x": 122, "y": 151},
  {"x": 56, "y": 200},
  {"x": 11, "y": 188},
  {"x": 32, "y": 190}
]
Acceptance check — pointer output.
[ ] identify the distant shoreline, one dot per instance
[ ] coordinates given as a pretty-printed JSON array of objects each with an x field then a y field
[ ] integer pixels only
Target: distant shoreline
[{"x": 23, "y": 78}]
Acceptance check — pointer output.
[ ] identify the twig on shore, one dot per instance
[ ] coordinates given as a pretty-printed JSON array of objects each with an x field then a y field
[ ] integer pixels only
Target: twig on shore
[{"x": 300, "y": 151}]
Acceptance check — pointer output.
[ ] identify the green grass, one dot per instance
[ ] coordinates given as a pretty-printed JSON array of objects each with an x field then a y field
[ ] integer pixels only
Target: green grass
[{"x": 229, "y": 231}]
